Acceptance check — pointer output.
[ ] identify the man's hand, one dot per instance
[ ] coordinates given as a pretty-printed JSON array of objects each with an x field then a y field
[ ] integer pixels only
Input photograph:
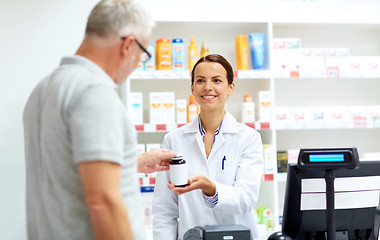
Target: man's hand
[
  {"x": 196, "y": 182},
  {"x": 155, "y": 160}
]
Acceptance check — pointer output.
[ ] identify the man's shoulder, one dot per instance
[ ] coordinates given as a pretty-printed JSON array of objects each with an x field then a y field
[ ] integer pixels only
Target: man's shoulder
[{"x": 77, "y": 79}]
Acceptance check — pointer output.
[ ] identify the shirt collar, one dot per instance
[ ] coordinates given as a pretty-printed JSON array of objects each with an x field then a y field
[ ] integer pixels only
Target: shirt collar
[
  {"x": 202, "y": 130},
  {"x": 91, "y": 67},
  {"x": 230, "y": 125}
]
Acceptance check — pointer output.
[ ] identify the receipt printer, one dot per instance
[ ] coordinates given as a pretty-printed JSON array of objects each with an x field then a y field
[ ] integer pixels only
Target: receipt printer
[{"x": 218, "y": 232}]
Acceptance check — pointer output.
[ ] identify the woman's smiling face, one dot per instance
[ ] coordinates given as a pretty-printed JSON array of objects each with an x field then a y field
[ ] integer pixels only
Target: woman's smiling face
[{"x": 210, "y": 87}]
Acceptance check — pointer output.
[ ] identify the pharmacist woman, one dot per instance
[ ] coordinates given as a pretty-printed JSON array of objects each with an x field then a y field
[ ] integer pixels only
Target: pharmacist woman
[{"x": 224, "y": 161}]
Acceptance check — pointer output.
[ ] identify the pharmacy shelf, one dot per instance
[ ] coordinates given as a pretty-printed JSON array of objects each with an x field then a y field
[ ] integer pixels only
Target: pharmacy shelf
[
  {"x": 318, "y": 75},
  {"x": 152, "y": 128},
  {"x": 289, "y": 88},
  {"x": 326, "y": 128},
  {"x": 168, "y": 74},
  {"x": 251, "y": 74},
  {"x": 160, "y": 75},
  {"x": 147, "y": 183}
]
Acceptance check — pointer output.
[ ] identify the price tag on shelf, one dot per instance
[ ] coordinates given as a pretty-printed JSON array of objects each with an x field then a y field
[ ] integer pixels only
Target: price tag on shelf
[
  {"x": 161, "y": 127},
  {"x": 147, "y": 188},
  {"x": 294, "y": 74},
  {"x": 268, "y": 177},
  {"x": 236, "y": 74},
  {"x": 264, "y": 125},
  {"x": 360, "y": 122},
  {"x": 139, "y": 128},
  {"x": 332, "y": 72}
]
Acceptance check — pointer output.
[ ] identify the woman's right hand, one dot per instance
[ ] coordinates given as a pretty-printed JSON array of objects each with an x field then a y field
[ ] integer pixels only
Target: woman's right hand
[{"x": 196, "y": 182}]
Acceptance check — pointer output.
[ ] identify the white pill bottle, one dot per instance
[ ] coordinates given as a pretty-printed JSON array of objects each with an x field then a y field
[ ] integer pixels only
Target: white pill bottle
[{"x": 178, "y": 171}]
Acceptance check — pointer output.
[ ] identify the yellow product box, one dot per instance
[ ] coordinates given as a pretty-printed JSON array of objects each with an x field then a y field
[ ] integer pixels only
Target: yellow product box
[
  {"x": 155, "y": 108},
  {"x": 265, "y": 106}
]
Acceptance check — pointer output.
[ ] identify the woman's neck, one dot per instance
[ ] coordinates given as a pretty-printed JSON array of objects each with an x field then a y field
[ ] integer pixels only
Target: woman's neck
[{"x": 211, "y": 119}]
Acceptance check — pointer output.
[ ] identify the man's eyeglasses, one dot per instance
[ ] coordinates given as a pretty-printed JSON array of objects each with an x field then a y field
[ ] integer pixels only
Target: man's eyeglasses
[{"x": 145, "y": 55}]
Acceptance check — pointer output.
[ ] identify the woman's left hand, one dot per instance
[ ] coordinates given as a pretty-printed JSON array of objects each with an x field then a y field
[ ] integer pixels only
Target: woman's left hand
[{"x": 196, "y": 182}]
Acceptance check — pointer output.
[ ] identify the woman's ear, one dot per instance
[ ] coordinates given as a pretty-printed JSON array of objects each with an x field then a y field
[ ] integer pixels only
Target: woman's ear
[{"x": 231, "y": 88}]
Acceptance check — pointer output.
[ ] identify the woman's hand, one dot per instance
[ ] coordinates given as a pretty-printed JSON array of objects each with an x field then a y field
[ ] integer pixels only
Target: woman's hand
[{"x": 196, "y": 182}]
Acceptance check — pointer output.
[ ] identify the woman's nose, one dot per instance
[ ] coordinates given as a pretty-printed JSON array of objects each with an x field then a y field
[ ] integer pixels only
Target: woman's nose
[{"x": 208, "y": 86}]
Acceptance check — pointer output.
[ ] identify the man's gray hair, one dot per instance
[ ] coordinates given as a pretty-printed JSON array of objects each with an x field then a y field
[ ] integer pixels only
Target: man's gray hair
[{"x": 116, "y": 18}]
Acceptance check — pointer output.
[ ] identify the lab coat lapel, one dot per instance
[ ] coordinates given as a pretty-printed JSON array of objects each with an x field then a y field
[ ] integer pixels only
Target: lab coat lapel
[
  {"x": 201, "y": 145},
  {"x": 194, "y": 128},
  {"x": 219, "y": 142},
  {"x": 228, "y": 126}
]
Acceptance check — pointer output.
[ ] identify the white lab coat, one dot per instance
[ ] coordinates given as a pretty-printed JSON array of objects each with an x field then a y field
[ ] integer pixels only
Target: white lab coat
[{"x": 237, "y": 184}]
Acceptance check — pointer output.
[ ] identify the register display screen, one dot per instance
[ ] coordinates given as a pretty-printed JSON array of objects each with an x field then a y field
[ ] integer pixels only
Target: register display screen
[{"x": 326, "y": 158}]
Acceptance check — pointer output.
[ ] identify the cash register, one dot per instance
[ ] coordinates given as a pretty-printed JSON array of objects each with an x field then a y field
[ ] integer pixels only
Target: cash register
[
  {"x": 218, "y": 232},
  {"x": 330, "y": 194}
]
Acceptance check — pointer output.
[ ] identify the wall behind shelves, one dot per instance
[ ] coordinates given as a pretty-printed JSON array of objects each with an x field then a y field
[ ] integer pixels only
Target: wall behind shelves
[
  {"x": 34, "y": 36},
  {"x": 320, "y": 11}
]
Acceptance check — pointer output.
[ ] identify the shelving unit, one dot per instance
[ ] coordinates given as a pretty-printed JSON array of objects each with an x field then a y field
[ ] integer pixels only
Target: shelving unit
[
  {"x": 326, "y": 92},
  {"x": 362, "y": 39},
  {"x": 152, "y": 128}
]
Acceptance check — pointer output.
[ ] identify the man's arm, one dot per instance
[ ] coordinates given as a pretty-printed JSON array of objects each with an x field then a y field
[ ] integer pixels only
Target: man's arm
[{"x": 106, "y": 208}]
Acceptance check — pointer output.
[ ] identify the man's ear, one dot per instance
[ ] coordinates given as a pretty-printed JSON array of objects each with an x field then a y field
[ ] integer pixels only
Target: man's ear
[{"x": 126, "y": 45}]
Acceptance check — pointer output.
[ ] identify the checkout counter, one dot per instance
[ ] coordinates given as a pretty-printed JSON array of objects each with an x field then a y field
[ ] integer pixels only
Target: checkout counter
[{"x": 218, "y": 232}]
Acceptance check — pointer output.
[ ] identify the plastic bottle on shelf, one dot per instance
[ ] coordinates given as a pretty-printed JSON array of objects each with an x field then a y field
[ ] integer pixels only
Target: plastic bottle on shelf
[
  {"x": 192, "y": 109},
  {"x": 178, "y": 54},
  {"x": 204, "y": 49},
  {"x": 150, "y": 64},
  {"x": 163, "y": 54},
  {"x": 248, "y": 110},
  {"x": 140, "y": 66},
  {"x": 242, "y": 52},
  {"x": 193, "y": 53},
  {"x": 257, "y": 49}
]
